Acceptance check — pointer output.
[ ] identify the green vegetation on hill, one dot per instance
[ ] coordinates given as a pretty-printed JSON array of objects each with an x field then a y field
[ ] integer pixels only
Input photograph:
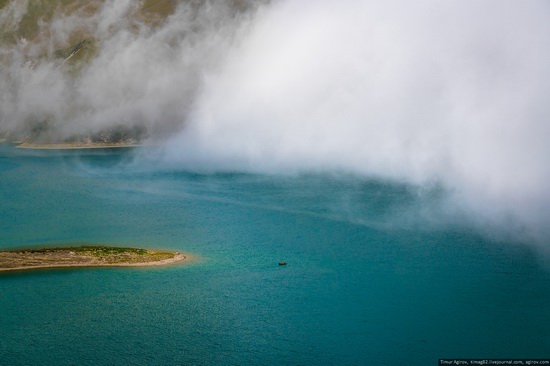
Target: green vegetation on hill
[
  {"x": 66, "y": 36},
  {"x": 78, "y": 45}
]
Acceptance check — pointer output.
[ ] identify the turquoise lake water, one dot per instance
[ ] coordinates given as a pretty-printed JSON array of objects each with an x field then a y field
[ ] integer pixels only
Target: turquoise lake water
[{"x": 366, "y": 283}]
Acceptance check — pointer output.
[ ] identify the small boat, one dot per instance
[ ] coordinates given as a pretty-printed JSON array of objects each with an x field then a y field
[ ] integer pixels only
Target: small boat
[{"x": 282, "y": 263}]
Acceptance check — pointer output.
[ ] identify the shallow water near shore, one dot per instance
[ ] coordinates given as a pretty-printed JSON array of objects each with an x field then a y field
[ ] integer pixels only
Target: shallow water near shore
[{"x": 366, "y": 283}]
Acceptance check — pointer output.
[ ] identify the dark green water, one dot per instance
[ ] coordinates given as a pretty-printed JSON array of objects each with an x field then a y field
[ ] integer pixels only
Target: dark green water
[{"x": 366, "y": 282}]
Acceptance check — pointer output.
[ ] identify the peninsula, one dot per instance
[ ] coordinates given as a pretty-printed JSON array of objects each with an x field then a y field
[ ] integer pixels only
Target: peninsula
[
  {"x": 76, "y": 145},
  {"x": 85, "y": 256}
]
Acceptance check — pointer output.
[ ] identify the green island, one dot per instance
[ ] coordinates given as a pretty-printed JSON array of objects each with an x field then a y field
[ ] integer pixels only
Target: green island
[{"x": 85, "y": 256}]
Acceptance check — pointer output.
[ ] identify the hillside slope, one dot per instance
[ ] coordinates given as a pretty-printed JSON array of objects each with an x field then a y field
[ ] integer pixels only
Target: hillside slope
[{"x": 52, "y": 53}]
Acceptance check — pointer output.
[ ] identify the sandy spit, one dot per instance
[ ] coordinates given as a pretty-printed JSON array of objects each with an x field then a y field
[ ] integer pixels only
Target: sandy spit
[{"x": 177, "y": 258}]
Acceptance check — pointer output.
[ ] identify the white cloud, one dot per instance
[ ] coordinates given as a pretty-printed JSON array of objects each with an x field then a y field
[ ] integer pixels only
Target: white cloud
[{"x": 452, "y": 92}]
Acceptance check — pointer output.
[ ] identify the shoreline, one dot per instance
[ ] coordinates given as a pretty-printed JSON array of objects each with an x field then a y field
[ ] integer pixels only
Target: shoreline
[
  {"x": 177, "y": 258},
  {"x": 86, "y": 257},
  {"x": 74, "y": 146}
]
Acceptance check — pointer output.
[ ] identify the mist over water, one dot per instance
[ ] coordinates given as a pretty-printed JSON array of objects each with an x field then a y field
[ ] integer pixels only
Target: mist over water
[
  {"x": 431, "y": 94},
  {"x": 426, "y": 93}
]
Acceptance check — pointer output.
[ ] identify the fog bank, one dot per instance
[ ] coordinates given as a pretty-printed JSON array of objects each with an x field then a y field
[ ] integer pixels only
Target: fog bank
[
  {"x": 448, "y": 94},
  {"x": 134, "y": 68},
  {"x": 427, "y": 92}
]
